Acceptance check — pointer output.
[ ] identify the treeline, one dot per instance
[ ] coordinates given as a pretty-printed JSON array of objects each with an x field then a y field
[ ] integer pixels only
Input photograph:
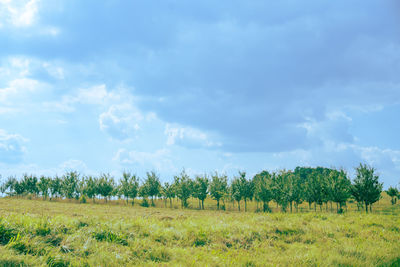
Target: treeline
[{"x": 288, "y": 189}]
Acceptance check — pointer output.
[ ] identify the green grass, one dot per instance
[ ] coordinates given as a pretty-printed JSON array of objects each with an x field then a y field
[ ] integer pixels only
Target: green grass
[{"x": 43, "y": 233}]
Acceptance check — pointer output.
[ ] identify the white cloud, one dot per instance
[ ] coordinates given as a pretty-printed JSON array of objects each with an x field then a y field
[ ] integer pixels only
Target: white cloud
[
  {"x": 18, "y": 88},
  {"x": 74, "y": 165},
  {"x": 160, "y": 159},
  {"x": 188, "y": 137},
  {"x": 19, "y": 13},
  {"x": 120, "y": 121},
  {"x": 11, "y": 147}
]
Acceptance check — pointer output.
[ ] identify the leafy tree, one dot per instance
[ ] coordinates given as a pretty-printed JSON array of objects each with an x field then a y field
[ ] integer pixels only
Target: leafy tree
[
  {"x": 262, "y": 189},
  {"x": 393, "y": 193},
  {"x": 10, "y": 186},
  {"x": 183, "y": 188},
  {"x": 153, "y": 185},
  {"x": 56, "y": 187},
  {"x": 248, "y": 189},
  {"x": 106, "y": 186},
  {"x": 237, "y": 190},
  {"x": 29, "y": 182},
  {"x": 129, "y": 186},
  {"x": 314, "y": 189},
  {"x": 281, "y": 188},
  {"x": 200, "y": 189},
  {"x": 91, "y": 187},
  {"x": 70, "y": 185},
  {"x": 339, "y": 188},
  {"x": 296, "y": 190},
  {"x": 218, "y": 187},
  {"x": 366, "y": 185},
  {"x": 44, "y": 186},
  {"x": 168, "y": 191},
  {"x": 144, "y": 194}
]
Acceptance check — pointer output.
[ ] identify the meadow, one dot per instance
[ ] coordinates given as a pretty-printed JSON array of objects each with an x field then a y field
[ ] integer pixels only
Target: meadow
[{"x": 65, "y": 233}]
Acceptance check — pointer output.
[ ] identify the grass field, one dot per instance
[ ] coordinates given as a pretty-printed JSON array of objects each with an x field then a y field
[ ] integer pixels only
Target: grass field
[{"x": 41, "y": 233}]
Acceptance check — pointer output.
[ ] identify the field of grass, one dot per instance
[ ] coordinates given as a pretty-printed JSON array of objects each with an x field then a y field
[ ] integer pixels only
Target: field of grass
[{"x": 43, "y": 233}]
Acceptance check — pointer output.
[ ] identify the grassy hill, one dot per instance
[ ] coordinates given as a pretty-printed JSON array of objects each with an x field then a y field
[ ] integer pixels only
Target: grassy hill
[{"x": 40, "y": 233}]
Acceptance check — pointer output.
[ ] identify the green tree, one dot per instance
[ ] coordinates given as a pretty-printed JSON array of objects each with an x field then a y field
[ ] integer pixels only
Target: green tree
[
  {"x": 44, "y": 186},
  {"x": 247, "y": 187},
  {"x": 129, "y": 186},
  {"x": 296, "y": 190},
  {"x": 340, "y": 188},
  {"x": 106, "y": 186},
  {"x": 153, "y": 185},
  {"x": 168, "y": 192},
  {"x": 262, "y": 189},
  {"x": 393, "y": 193},
  {"x": 366, "y": 185},
  {"x": 183, "y": 188},
  {"x": 200, "y": 189},
  {"x": 56, "y": 187},
  {"x": 70, "y": 185},
  {"x": 281, "y": 188},
  {"x": 237, "y": 190},
  {"x": 218, "y": 187},
  {"x": 29, "y": 182},
  {"x": 91, "y": 187}
]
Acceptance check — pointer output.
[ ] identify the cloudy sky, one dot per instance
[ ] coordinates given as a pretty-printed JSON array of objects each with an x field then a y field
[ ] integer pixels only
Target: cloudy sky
[{"x": 106, "y": 86}]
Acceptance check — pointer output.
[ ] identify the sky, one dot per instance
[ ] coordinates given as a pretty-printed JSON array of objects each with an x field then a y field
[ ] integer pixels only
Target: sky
[{"x": 107, "y": 86}]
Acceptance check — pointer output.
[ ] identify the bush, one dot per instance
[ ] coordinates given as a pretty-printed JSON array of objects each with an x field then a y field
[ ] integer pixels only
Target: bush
[
  {"x": 144, "y": 203},
  {"x": 82, "y": 199},
  {"x": 7, "y": 233},
  {"x": 109, "y": 236}
]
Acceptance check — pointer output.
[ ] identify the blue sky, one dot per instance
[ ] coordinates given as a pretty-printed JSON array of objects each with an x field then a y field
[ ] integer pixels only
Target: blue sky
[{"x": 106, "y": 86}]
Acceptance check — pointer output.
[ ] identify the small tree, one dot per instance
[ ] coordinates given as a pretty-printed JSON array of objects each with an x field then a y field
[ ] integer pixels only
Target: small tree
[
  {"x": 168, "y": 192},
  {"x": 201, "y": 189},
  {"x": 70, "y": 184},
  {"x": 29, "y": 182},
  {"x": 106, "y": 186},
  {"x": 281, "y": 188},
  {"x": 91, "y": 187},
  {"x": 153, "y": 185},
  {"x": 366, "y": 185},
  {"x": 238, "y": 189},
  {"x": 262, "y": 189},
  {"x": 247, "y": 187},
  {"x": 56, "y": 187},
  {"x": 129, "y": 186},
  {"x": 218, "y": 187},
  {"x": 340, "y": 188},
  {"x": 44, "y": 186},
  {"x": 183, "y": 188},
  {"x": 393, "y": 193}
]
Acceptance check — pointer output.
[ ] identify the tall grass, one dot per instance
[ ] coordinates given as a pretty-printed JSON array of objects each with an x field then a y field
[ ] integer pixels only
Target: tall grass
[{"x": 43, "y": 233}]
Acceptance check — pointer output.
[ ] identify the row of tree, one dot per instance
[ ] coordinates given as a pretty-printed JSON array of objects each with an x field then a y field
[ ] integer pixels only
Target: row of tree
[{"x": 316, "y": 186}]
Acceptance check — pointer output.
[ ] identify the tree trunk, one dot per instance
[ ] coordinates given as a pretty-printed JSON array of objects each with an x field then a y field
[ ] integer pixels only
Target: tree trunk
[
  {"x": 291, "y": 208},
  {"x": 245, "y": 205},
  {"x": 366, "y": 207},
  {"x": 239, "y": 205},
  {"x": 202, "y": 204},
  {"x": 315, "y": 206},
  {"x": 170, "y": 202}
]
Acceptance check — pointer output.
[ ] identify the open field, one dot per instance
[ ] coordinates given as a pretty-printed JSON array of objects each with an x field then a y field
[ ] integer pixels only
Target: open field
[{"x": 35, "y": 232}]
